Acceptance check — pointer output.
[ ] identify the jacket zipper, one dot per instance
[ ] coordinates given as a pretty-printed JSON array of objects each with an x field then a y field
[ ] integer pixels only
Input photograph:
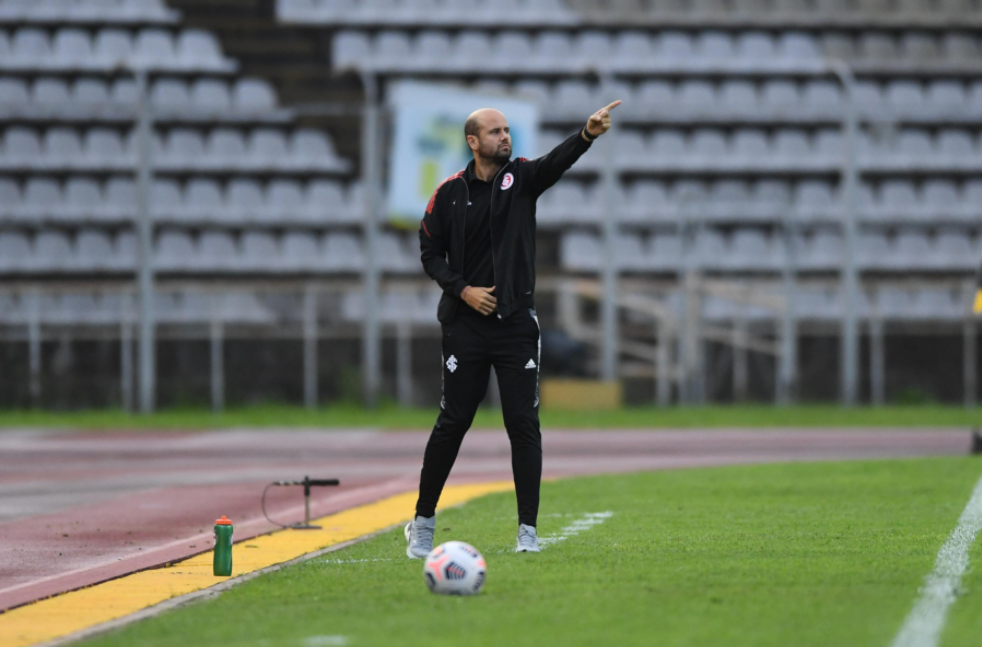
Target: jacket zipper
[
  {"x": 494, "y": 274},
  {"x": 463, "y": 241}
]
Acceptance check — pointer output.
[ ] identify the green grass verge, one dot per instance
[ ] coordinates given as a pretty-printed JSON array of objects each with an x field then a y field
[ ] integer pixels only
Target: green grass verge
[
  {"x": 775, "y": 555},
  {"x": 391, "y": 417}
]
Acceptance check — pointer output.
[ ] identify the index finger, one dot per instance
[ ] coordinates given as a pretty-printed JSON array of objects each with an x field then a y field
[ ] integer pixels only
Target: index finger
[{"x": 613, "y": 105}]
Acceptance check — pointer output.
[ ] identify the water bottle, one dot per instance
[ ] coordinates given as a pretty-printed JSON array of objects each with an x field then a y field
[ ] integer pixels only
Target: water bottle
[{"x": 223, "y": 547}]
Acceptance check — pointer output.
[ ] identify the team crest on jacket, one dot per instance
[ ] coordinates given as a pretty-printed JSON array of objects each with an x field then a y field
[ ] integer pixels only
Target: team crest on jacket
[{"x": 507, "y": 181}]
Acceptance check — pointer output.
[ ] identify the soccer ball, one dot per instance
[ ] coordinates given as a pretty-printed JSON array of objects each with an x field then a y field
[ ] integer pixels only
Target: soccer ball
[{"x": 455, "y": 568}]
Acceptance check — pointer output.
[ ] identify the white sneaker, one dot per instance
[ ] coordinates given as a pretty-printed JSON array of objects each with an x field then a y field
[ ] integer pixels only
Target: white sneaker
[
  {"x": 528, "y": 540},
  {"x": 419, "y": 537}
]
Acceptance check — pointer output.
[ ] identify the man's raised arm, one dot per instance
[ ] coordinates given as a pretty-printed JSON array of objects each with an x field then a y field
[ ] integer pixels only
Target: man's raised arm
[{"x": 547, "y": 169}]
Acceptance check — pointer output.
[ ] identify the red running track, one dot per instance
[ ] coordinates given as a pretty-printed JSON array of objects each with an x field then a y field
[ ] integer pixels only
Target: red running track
[{"x": 81, "y": 508}]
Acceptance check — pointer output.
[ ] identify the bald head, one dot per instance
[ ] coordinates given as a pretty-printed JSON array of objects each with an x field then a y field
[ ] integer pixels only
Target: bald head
[
  {"x": 477, "y": 118},
  {"x": 488, "y": 135}
]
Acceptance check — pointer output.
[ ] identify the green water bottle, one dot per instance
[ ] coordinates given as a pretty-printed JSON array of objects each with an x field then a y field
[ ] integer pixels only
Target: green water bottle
[{"x": 223, "y": 547}]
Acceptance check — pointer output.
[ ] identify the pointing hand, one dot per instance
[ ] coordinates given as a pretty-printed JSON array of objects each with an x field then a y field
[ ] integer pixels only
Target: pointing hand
[{"x": 599, "y": 122}]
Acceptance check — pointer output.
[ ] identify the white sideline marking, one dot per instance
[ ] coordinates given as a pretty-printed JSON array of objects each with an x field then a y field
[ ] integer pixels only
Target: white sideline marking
[
  {"x": 923, "y": 625},
  {"x": 325, "y": 641},
  {"x": 356, "y": 561},
  {"x": 585, "y": 522}
]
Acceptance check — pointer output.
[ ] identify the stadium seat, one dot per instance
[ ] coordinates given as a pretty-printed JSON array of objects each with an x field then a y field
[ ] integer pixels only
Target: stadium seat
[
  {"x": 113, "y": 48},
  {"x": 591, "y": 46},
  {"x": 50, "y": 96},
  {"x": 955, "y": 148},
  {"x": 165, "y": 199},
  {"x": 697, "y": 98},
  {"x": 750, "y": 146},
  {"x": 875, "y": 47},
  {"x": 14, "y": 96},
  {"x": 553, "y": 50},
  {"x": 245, "y": 200},
  {"x": 919, "y": 48},
  {"x": 42, "y": 199},
  {"x": 53, "y": 251},
  {"x": 260, "y": 252},
  {"x": 15, "y": 252},
  {"x": 94, "y": 251},
  {"x": 199, "y": 50},
  {"x": 217, "y": 252},
  {"x": 797, "y": 46},
  {"x": 211, "y": 96},
  {"x": 714, "y": 49},
  {"x": 284, "y": 201},
  {"x": 580, "y": 251},
  {"x": 226, "y": 149},
  {"x": 708, "y": 148},
  {"x": 203, "y": 201},
  {"x": 512, "y": 52},
  {"x": 253, "y": 95},
  {"x": 913, "y": 249},
  {"x": 953, "y": 250},
  {"x": 343, "y": 253},
  {"x": 780, "y": 99},
  {"x": 30, "y": 49},
  {"x": 392, "y": 254},
  {"x": 267, "y": 148},
  {"x": 104, "y": 149},
  {"x": 434, "y": 50},
  {"x": 71, "y": 49},
  {"x": 664, "y": 253},
  {"x": 656, "y": 98},
  {"x": 756, "y": 49},
  {"x": 569, "y": 98},
  {"x": 83, "y": 200},
  {"x": 183, "y": 150},
  {"x": 946, "y": 99},
  {"x": 822, "y": 252},
  {"x": 738, "y": 99},
  {"x": 905, "y": 99},
  {"x": 350, "y": 49},
  {"x": 301, "y": 252},
  {"x": 90, "y": 94},
  {"x": 62, "y": 148},
  {"x": 170, "y": 96},
  {"x": 771, "y": 199},
  {"x": 672, "y": 48},
  {"x": 646, "y": 201},
  {"x": 153, "y": 49},
  {"x": 898, "y": 200},
  {"x": 710, "y": 250},
  {"x": 21, "y": 147},
  {"x": 392, "y": 51},
  {"x": 959, "y": 48},
  {"x": 324, "y": 202},
  {"x": 472, "y": 49},
  {"x": 10, "y": 199},
  {"x": 120, "y": 198},
  {"x": 791, "y": 147},
  {"x": 727, "y": 199},
  {"x": 940, "y": 200},
  {"x": 313, "y": 149}
]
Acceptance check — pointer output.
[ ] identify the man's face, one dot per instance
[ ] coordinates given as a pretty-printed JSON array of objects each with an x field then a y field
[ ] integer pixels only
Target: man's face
[{"x": 494, "y": 141}]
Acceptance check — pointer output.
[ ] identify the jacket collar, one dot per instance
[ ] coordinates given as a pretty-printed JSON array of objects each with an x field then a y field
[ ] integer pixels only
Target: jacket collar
[{"x": 469, "y": 174}]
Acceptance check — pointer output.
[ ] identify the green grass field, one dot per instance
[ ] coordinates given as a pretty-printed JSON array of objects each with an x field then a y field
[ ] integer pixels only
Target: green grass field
[
  {"x": 793, "y": 554},
  {"x": 391, "y": 417}
]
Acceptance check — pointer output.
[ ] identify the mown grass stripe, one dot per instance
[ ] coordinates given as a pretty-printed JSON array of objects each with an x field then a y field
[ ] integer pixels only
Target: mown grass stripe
[{"x": 923, "y": 625}]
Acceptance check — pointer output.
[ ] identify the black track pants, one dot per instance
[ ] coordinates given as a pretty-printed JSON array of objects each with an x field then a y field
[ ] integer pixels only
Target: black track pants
[{"x": 471, "y": 346}]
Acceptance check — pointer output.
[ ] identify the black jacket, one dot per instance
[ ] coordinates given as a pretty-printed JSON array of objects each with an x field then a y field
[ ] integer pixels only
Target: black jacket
[{"x": 514, "y": 191}]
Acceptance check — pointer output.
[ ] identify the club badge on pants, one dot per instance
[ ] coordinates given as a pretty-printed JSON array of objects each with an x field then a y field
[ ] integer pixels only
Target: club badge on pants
[{"x": 452, "y": 363}]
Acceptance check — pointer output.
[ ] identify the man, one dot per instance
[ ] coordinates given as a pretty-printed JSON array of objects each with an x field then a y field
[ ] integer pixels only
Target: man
[{"x": 478, "y": 242}]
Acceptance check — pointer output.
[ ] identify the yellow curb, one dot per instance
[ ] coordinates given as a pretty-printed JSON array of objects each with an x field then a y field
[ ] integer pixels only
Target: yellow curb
[{"x": 78, "y": 610}]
